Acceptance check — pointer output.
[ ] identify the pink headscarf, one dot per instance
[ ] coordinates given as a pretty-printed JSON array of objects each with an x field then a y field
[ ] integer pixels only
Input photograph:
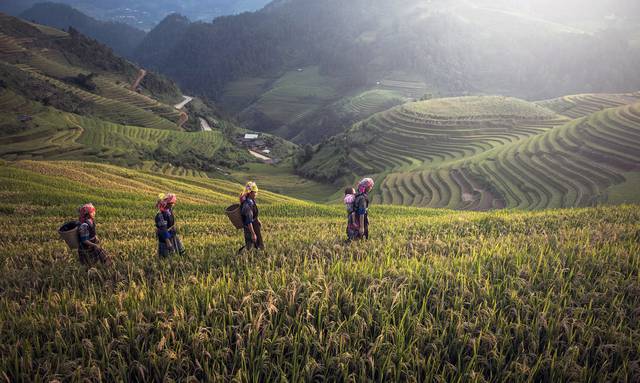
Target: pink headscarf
[
  {"x": 349, "y": 199},
  {"x": 365, "y": 184},
  {"x": 84, "y": 211},
  {"x": 164, "y": 200}
]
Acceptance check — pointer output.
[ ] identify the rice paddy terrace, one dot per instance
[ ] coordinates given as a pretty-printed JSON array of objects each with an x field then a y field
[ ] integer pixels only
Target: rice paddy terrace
[
  {"x": 443, "y": 130},
  {"x": 55, "y": 109},
  {"x": 373, "y": 101},
  {"x": 53, "y": 134},
  {"x": 454, "y": 296},
  {"x": 587, "y": 161},
  {"x": 479, "y": 153},
  {"x": 111, "y": 99},
  {"x": 582, "y": 105}
]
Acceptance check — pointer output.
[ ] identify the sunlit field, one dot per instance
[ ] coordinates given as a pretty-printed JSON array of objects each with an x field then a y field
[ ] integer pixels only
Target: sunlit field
[{"x": 434, "y": 295}]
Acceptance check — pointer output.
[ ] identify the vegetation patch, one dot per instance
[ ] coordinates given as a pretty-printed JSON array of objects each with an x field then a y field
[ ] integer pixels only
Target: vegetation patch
[{"x": 548, "y": 295}]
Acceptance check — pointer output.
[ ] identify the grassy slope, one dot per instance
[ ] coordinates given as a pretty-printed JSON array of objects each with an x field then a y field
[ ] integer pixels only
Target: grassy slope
[
  {"x": 512, "y": 296},
  {"x": 53, "y": 134},
  {"x": 492, "y": 152},
  {"x": 421, "y": 134},
  {"x": 293, "y": 96},
  {"x": 104, "y": 120},
  {"x": 592, "y": 160},
  {"x": 281, "y": 179}
]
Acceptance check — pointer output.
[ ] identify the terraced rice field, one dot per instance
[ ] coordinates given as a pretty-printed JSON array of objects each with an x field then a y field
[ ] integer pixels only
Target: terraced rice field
[
  {"x": 417, "y": 134},
  {"x": 373, "y": 101},
  {"x": 9, "y": 45},
  {"x": 53, "y": 134},
  {"x": 452, "y": 296},
  {"x": 409, "y": 89},
  {"x": 295, "y": 95},
  {"x": 122, "y": 94},
  {"x": 241, "y": 93},
  {"x": 582, "y": 105},
  {"x": 107, "y": 108},
  {"x": 572, "y": 165},
  {"x": 112, "y": 101}
]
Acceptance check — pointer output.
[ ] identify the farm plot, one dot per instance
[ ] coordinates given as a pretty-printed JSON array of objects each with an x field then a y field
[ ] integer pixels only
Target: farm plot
[
  {"x": 452, "y": 296},
  {"x": 438, "y": 131},
  {"x": 106, "y": 108},
  {"x": 569, "y": 166},
  {"x": 373, "y": 101},
  {"x": 577, "y": 106}
]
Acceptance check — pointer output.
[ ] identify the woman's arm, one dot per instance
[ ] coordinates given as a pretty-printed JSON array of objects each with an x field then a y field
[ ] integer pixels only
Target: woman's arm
[
  {"x": 88, "y": 243},
  {"x": 254, "y": 237}
]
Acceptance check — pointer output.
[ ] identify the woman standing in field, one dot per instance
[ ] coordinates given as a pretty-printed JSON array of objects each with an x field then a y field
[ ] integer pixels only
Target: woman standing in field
[
  {"x": 250, "y": 220},
  {"x": 89, "y": 250},
  {"x": 167, "y": 233},
  {"x": 361, "y": 207},
  {"x": 352, "y": 226}
]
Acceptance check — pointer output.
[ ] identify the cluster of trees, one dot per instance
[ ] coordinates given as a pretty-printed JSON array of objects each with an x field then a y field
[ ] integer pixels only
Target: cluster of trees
[{"x": 84, "y": 81}]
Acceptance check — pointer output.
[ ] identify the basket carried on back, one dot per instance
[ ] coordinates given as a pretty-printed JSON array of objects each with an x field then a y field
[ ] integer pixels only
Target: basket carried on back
[
  {"x": 233, "y": 212},
  {"x": 69, "y": 233}
]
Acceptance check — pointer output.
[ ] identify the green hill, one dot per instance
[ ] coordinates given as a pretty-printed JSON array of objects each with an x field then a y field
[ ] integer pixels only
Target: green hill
[
  {"x": 122, "y": 38},
  {"x": 64, "y": 96},
  {"x": 549, "y": 296},
  {"x": 410, "y": 47},
  {"x": 428, "y": 132},
  {"x": 479, "y": 153},
  {"x": 588, "y": 161}
]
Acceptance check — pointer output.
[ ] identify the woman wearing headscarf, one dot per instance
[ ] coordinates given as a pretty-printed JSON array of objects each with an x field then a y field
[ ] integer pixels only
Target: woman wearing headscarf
[
  {"x": 361, "y": 206},
  {"x": 167, "y": 233},
  {"x": 90, "y": 250},
  {"x": 250, "y": 220}
]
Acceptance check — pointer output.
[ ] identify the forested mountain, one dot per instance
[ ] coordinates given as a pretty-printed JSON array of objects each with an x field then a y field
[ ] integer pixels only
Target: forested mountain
[
  {"x": 446, "y": 47},
  {"x": 157, "y": 46},
  {"x": 144, "y": 14},
  {"x": 122, "y": 38}
]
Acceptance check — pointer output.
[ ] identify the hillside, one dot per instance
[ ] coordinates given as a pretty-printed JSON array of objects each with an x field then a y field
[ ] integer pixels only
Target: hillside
[
  {"x": 65, "y": 96},
  {"x": 122, "y": 38},
  {"x": 488, "y": 296},
  {"x": 428, "y": 132},
  {"x": 439, "y": 48},
  {"x": 143, "y": 14},
  {"x": 480, "y": 153},
  {"x": 589, "y": 161}
]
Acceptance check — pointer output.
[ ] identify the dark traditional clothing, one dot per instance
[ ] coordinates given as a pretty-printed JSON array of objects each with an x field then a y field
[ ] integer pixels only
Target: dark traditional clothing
[
  {"x": 166, "y": 230},
  {"x": 249, "y": 212},
  {"x": 361, "y": 207},
  {"x": 88, "y": 254}
]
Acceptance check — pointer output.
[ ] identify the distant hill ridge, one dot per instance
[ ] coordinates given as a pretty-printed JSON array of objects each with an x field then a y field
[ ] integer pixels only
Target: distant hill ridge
[
  {"x": 123, "y": 38},
  {"x": 292, "y": 67}
]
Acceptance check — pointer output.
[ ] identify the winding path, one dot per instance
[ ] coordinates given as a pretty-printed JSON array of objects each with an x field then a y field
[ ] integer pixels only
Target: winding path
[
  {"x": 186, "y": 100},
  {"x": 259, "y": 156},
  {"x": 141, "y": 74},
  {"x": 204, "y": 124}
]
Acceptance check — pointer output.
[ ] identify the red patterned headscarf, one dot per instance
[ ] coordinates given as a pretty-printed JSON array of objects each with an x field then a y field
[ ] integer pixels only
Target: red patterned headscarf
[
  {"x": 84, "y": 212},
  {"x": 366, "y": 183},
  {"x": 164, "y": 200}
]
